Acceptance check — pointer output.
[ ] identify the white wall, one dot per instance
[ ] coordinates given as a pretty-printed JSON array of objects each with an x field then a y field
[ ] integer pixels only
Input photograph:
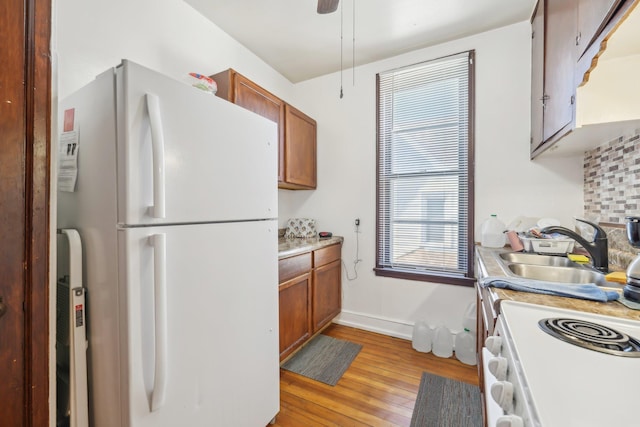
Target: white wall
[
  {"x": 507, "y": 182},
  {"x": 612, "y": 92},
  {"x": 173, "y": 38},
  {"x": 168, "y": 36}
]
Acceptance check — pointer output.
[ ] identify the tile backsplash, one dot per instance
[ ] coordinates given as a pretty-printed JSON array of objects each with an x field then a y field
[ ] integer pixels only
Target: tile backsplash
[
  {"x": 612, "y": 180},
  {"x": 612, "y": 191}
]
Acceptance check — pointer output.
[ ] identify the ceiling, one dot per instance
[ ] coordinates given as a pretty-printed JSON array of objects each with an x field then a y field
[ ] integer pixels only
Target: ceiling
[{"x": 300, "y": 44}]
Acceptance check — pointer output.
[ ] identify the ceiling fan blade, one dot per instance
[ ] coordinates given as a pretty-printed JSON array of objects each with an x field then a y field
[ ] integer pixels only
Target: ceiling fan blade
[{"x": 327, "y": 6}]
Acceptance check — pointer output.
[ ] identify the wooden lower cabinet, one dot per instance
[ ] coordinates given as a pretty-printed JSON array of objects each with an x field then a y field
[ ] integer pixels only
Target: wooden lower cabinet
[
  {"x": 295, "y": 324},
  {"x": 310, "y": 295},
  {"x": 327, "y": 294}
]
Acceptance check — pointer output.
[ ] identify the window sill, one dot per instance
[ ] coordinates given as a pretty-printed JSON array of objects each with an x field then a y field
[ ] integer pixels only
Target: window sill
[{"x": 425, "y": 277}]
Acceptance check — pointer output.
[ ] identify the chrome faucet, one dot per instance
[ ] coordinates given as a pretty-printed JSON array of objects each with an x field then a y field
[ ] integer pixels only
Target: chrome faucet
[{"x": 598, "y": 249}]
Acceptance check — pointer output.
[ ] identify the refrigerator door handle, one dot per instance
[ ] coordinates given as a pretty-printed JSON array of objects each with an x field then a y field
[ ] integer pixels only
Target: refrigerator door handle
[
  {"x": 159, "y": 243},
  {"x": 157, "y": 144}
]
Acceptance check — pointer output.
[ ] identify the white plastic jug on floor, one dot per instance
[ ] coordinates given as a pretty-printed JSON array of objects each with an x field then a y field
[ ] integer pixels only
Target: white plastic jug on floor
[
  {"x": 421, "y": 339},
  {"x": 442, "y": 345},
  {"x": 469, "y": 319},
  {"x": 466, "y": 347}
]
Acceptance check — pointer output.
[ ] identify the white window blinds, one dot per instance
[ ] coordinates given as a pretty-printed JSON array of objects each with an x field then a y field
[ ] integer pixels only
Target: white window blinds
[{"x": 424, "y": 194}]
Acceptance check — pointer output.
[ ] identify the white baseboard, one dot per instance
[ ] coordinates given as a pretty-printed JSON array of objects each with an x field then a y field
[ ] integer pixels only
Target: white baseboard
[{"x": 381, "y": 325}]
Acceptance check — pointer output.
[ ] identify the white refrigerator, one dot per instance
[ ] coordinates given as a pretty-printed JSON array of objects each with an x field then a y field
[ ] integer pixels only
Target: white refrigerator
[{"x": 176, "y": 204}]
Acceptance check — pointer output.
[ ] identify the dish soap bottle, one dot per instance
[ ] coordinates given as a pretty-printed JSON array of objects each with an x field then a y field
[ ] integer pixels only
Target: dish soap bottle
[{"x": 492, "y": 233}]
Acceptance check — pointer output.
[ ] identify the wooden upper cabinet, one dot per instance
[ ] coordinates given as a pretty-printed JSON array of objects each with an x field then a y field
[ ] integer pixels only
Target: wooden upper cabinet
[
  {"x": 252, "y": 97},
  {"x": 568, "y": 36},
  {"x": 299, "y": 150},
  {"x": 236, "y": 88},
  {"x": 559, "y": 66},
  {"x": 592, "y": 18},
  {"x": 553, "y": 59},
  {"x": 296, "y": 130},
  {"x": 537, "y": 75}
]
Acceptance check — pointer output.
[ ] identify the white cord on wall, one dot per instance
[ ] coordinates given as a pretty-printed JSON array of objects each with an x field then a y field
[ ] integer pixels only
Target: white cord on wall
[{"x": 357, "y": 259}]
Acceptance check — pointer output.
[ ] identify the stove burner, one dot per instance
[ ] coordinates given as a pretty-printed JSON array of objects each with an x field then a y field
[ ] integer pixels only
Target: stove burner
[{"x": 592, "y": 336}]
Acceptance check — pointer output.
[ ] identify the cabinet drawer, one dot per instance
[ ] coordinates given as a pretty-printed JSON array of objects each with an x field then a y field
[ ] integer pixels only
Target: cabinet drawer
[
  {"x": 326, "y": 255},
  {"x": 288, "y": 268}
]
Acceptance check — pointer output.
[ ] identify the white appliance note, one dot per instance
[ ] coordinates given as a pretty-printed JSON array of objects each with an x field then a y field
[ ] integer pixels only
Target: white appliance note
[{"x": 68, "y": 161}]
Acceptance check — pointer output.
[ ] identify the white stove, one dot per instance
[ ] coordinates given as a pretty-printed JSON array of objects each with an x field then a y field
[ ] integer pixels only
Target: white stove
[{"x": 535, "y": 379}]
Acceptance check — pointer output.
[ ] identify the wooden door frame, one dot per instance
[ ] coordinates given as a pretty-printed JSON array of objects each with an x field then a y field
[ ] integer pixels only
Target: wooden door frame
[{"x": 37, "y": 140}]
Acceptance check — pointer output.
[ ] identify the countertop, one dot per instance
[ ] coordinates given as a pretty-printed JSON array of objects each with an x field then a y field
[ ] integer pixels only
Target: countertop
[
  {"x": 488, "y": 266},
  {"x": 296, "y": 246}
]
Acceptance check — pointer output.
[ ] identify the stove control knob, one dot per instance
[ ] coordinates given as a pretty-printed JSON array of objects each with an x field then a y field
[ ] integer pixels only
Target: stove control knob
[
  {"x": 498, "y": 367},
  {"x": 509, "y": 421},
  {"x": 502, "y": 393},
  {"x": 493, "y": 344}
]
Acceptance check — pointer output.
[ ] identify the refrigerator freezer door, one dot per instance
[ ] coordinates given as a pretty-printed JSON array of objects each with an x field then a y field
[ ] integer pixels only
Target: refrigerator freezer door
[
  {"x": 202, "y": 327},
  {"x": 188, "y": 156}
]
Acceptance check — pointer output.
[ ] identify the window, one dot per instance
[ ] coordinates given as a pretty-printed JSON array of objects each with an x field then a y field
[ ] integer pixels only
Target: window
[{"x": 425, "y": 171}]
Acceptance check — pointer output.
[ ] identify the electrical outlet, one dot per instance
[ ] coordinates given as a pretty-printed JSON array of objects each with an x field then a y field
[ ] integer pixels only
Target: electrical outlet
[{"x": 357, "y": 222}]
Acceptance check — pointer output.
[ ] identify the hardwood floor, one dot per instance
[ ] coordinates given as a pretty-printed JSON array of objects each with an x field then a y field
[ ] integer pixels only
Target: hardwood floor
[{"x": 379, "y": 388}]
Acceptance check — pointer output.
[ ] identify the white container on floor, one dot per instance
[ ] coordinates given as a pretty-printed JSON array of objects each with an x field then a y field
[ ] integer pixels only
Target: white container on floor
[
  {"x": 421, "y": 339},
  {"x": 442, "y": 345},
  {"x": 469, "y": 319},
  {"x": 466, "y": 347}
]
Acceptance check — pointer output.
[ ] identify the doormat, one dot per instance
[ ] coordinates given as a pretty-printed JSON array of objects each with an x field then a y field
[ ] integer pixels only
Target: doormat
[
  {"x": 323, "y": 359},
  {"x": 444, "y": 402}
]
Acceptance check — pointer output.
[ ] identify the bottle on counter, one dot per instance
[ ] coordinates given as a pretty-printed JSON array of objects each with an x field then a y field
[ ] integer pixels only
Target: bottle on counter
[{"x": 492, "y": 232}]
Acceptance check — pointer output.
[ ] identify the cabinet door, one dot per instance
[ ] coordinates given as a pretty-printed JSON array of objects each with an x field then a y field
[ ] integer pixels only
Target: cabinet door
[
  {"x": 299, "y": 150},
  {"x": 249, "y": 95},
  {"x": 537, "y": 75},
  {"x": 327, "y": 294},
  {"x": 592, "y": 18},
  {"x": 559, "y": 65},
  {"x": 295, "y": 325}
]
